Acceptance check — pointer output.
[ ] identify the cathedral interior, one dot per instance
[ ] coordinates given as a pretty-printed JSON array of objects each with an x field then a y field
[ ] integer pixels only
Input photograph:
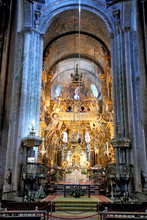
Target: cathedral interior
[{"x": 73, "y": 96}]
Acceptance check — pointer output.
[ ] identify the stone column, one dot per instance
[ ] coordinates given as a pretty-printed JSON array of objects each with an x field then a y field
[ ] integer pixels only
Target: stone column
[
  {"x": 119, "y": 88},
  {"x": 25, "y": 106},
  {"x": 6, "y": 47},
  {"x": 136, "y": 130},
  {"x": 127, "y": 111},
  {"x": 142, "y": 42}
]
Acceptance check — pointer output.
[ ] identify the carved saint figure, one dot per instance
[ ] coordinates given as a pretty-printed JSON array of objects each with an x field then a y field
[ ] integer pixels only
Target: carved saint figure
[
  {"x": 54, "y": 126},
  {"x": 76, "y": 94}
]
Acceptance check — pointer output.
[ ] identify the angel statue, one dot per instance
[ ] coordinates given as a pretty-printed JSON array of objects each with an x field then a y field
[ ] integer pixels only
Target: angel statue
[{"x": 54, "y": 125}]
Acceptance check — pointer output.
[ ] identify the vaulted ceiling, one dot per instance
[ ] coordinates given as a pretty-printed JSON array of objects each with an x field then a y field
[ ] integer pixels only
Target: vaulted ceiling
[{"x": 70, "y": 35}]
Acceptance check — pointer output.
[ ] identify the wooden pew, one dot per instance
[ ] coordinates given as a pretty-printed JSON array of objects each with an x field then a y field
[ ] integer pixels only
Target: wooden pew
[
  {"x": 140, "y": 207},
  {"x": 24, "y": 214},
  {"x": 111, "y": 215},
  {"x": 21, "y": 206},
  {"x": 12, "y": 205},
  {"x": 21, "y": 217}
]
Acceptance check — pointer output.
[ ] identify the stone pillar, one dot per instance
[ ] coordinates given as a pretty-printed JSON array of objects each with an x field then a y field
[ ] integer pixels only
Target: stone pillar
[
  {"x": 7, "y": 18},
  {"x": 119, "y": 88},
  {"x": 127, "y": 111},
  {"x": 25, "y": 106},
  {"x": 31, "y": 80},
  {"x": 136, "y": 130},
  {"x": 142, "y": 42}
]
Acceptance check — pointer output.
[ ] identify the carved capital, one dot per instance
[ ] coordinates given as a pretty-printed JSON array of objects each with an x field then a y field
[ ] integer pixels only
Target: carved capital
[{"x": 30, "y": 29}]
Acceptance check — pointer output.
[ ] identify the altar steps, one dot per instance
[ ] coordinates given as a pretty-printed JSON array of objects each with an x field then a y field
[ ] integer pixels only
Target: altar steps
[{"x": 76, "y": 205}]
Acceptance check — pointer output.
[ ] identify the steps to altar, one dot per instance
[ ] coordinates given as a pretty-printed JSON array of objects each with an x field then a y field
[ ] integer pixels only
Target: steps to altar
[{"x": 76, "y": 204}]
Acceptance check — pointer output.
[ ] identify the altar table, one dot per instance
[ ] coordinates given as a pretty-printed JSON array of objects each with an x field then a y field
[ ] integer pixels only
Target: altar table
[{"x": 77, "y": 186}]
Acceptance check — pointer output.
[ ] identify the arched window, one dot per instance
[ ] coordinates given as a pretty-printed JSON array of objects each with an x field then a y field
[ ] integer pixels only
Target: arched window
[
  {"x": 94, "y": 90},
  {"x": 58, "y": 90}
]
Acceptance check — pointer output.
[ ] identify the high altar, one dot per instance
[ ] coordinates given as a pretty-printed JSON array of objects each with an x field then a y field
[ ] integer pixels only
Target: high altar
[
  {"x": 77, "y": 125},
  {"x": 76, "y": 177}
]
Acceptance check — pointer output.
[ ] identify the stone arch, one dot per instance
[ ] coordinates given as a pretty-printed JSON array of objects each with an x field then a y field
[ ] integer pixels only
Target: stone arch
[
  {"x": 76, "y": 56},
  {"x": 50, "y": 12},
  {"x": 76, "y": 32},
  {"x": 64, "y": 48}
]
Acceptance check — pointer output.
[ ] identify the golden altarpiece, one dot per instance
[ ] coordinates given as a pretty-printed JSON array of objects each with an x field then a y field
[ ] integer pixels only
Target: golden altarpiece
[{"x": 76, "y": 121}]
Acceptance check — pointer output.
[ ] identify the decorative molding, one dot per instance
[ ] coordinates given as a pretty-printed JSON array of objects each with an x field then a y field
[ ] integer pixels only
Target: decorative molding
[
  {"x": 112, "y": 2},
  {"x": 124, "y": 29},
  {"x": 116, "y": 15},
  {"x": 37, "y": 13}
]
